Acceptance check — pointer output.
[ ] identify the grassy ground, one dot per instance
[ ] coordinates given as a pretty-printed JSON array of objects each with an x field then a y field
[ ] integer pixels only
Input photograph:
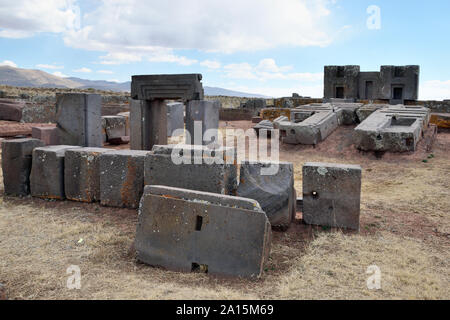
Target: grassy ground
[{"x": 405, "y": 230}]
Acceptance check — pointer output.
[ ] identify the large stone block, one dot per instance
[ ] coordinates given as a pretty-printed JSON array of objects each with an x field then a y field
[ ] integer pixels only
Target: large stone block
[
  {"x": 331, "y": 194},
  {"x": 11, "y": 110},
  {"x": 79, "y": 119},
  {"x": 49, "y": 135},
  {"x": 148, "y": 124},
  {"x": 175, "y": 117},
  {"x": 114, "y": 126},
  {"x": 47, "y": 172},
  {"x": 207, "y": 114},
  {"x": 167, "y": 86},
  {"x": 122, "y": 178},
  {"x": 16, "y": 165},
  {"x": 275, "y": 192},
  {"x": 82, "y": 174},
  {"x": 195, "y": 174},
  {"x": 185, "y": 230}
]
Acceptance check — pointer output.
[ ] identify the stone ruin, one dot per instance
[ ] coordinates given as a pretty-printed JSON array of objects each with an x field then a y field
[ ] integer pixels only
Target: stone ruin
[{"x": 193, "y": 216}]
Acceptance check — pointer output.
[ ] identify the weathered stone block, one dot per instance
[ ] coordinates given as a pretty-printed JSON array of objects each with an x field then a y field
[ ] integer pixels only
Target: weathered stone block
[
  {"x": 195, "y": 174},
  {"x": 185, "y": 230},
  {"x": 122, "y": 178},
  {"x": 11, "y": 110},
  {"x": 167, "y": 87},
  {"x": 274, "y": 192},
  {"x": 331, "y": 194},
  {"x": 205, "y": 112},
  {"x": 16, "y": 165},
  {"x": 82, "y": 174},
  {"x": 79, "y": 119},
  {"x": 114, "y": 126},
  {"x": 175, "y": 117},
  {"x": 47, "y": 172},
  {"x": 49, "y": 135}
]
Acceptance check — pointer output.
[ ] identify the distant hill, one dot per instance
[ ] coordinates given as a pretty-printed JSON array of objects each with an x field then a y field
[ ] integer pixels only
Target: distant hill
[{"x": 18, "y": 77}]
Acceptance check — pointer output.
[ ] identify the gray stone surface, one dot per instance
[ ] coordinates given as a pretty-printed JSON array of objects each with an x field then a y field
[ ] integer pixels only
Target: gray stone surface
[
  {"x": 175, "y": 117},
  {"x": 148, "y": 121},
  {"x": 49, "y": 135},
  {"x": 396, "y": 128},
  {"x": 215, "y": 178},
  {"x": 82, "y": 174},
  {"x": 79, "y": 119},
  {"x": 122, "y": 178},
  {"x": 205, "y": 112},
  {"x": 16, "y": 165},
  {"x": 114, "y": 126},
  {"x": 184, "y": 230},
  {"x": 47, "y": 172},
  {"x": 275, "y": 193},
  {"x": 167, "y": 86},
  {"x": 365, "y": 111},
  {"x": 331, "y": 194}
]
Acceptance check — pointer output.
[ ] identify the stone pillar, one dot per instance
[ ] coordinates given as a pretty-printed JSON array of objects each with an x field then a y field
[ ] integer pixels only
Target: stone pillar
[
  {"x": 148, "y": 124},
  {"x": 16, "y": 165},
  {"x": 175, "y": 117},
  {"x": 205, "y": 112},
  {"x": 78, "y": 119}
]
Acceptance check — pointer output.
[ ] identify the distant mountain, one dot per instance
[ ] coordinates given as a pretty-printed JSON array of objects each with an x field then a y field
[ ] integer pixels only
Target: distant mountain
[
  {"x": 18, "y": 77},
  {"x": 214, "y": 91}
]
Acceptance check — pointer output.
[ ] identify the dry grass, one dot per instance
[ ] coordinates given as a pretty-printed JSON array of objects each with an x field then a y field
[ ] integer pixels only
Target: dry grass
[{"x": 404, "y": 231}]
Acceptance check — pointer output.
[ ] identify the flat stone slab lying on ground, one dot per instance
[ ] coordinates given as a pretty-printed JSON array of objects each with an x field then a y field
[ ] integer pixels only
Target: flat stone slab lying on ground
[
  {"x": 122, "y": 178},
  {"x": 16, "y": 165},
  {"x": 79, "y": 119},
  {"x": 195, "y": 174},
  {"x": 264, "y": 125},
  {"x": 82, "y": 174},
  {"x": 396, "y": 128},
  {"x": 47, "y": 172},
  {"x": 49, "y": 135},
  {"x": 185, "y": 230},
  {"x": 275, "y": 192},
  {"x": 331, "y": 194},
  {"x": 11, "y": 109}
]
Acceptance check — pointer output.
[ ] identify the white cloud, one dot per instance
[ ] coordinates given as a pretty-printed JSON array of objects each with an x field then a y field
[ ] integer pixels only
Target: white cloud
[
  {"x": 24, "y": 18},
  {"x": 83, "y": 70},
  {"x": 8, "y": 63},
  {"x": 132, "y": 31},
  {"x": 210, "y": 64},
  {"x": 60, "y": 74},
  {"x": 434, "y": 90},
  {"x": 267, "y": 69},
  {"x": 105, "y": 71},
  {"x": 48, "y": 66}
]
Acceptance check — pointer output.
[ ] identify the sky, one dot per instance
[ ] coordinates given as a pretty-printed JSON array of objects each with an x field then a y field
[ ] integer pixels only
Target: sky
[{"x": 268, "y": 47}]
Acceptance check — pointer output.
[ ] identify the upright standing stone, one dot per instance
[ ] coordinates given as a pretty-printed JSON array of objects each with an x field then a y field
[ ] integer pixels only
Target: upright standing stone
[
  {"x": 47, "y": 172},
  {"x": 79, "y": 119},
  {"x": 16, "y": 165},
  {"x": 82, "y": 174},
  {"x": 204, "y": 112},
  {"x": 175, "y": 117},
  {"x": 331, "y": 194},
  {"x": 185, "y": 230},
  {"x": 148, "y": 120},
  {"x": 122, "y": 178},
  {"x": 275, "y": 192}
]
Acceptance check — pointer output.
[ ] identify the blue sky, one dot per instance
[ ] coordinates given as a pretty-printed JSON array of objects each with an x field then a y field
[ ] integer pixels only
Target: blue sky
[{"x": 259, "y": 46}]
